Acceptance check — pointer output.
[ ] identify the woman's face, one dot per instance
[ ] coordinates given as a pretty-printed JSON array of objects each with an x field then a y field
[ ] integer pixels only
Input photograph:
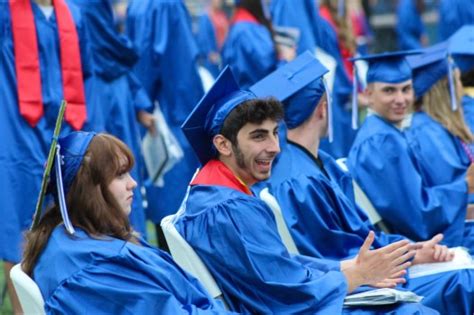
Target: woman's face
[{"x": 122, "y": 186}]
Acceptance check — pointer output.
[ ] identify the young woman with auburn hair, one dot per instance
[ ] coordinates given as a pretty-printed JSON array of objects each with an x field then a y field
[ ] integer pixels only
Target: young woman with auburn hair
[{"x": 98, "y": 264}]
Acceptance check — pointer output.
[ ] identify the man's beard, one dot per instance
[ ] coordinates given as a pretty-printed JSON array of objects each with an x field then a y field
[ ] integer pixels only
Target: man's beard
[{"x": 239, "y": 156}]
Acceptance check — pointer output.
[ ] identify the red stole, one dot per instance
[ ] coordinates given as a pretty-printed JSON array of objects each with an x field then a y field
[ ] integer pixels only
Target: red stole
[
  {"x": 242, "y": 15},
  {"x": 217, "y": 173},
  {"x": 28, "y": 68}
]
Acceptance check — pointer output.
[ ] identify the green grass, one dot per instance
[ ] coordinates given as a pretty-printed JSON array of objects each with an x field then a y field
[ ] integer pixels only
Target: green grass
[{"x": 6, "y": 307}]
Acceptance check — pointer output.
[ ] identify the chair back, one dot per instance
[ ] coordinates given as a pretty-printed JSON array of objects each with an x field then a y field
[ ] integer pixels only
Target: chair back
[
  {"x": 27, "y": 291},
  {"x": 362, "y": 200},
  {"x": 285, "y": 235},
  {"x": 185, "y": 256}
]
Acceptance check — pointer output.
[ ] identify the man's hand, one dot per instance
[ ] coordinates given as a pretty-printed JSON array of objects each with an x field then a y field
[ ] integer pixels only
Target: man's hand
[
  {"x": 383, "y": 267},
  {"x": 431, "y": 251},
  {"x": 148, "y": 121},
  {"x": 470, "y": 212}
]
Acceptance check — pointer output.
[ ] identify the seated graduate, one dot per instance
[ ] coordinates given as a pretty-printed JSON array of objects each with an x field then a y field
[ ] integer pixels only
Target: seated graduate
[
  {"x": 381, "y": 162},
  {"x": 84, "y": 255},
  {"x": 235, "y": 136},
  {"x": 316, "y": 197},
  {"x": 439, "y": 139}
]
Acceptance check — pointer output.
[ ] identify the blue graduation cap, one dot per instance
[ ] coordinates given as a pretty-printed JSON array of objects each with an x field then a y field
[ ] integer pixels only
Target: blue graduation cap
[
  {"x": 461, "y": 47},
  {"x": 387, "y": 67},
  {"x": 433, "y": 64},
  {"x": 207, "y": 118},
  {"x": 70, "y": 151},
  {"x": 299, "y": 86}
]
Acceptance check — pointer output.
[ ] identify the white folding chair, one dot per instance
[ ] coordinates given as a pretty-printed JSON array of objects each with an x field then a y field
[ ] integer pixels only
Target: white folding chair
[
  {"x": 185, "y": 256},
  {"x": 27, "y": 291},
  {"x": 285, "y": 235},
  {"x": 363, "y": 201}
]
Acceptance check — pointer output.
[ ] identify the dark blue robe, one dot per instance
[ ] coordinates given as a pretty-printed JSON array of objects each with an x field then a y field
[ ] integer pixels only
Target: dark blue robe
[
  {"x": 23, "y": 149},
  {"x": 235, "y": 235},
  {"x": 409, "y": 25},
  {"x": 317, "y": 202},
  {"x": 115, "y": 92},
  {"x": 161, "y": 31},
  {"x": 81, "y": 274},
  {"x": 453, "y": 14},
  {"x": 381, "y": 163},
  {"x": 250, "y": 53}
]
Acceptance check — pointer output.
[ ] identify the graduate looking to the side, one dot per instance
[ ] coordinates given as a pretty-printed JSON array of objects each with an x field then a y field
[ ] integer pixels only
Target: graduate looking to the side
[
  {"x": 85, "y": 256},
  {"x": 316, "y": 197},
  {"x": 440, "y": 140},
  {"x": 235, "y": 136},
  {"x": 381, "y": 162}
]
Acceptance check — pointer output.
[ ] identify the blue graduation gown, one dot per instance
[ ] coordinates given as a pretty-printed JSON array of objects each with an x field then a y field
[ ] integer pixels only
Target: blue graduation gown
[
  {"x": 81, "y": 274},
  {"x": 161, "y": 31},
  {"x": 381, "y": 163},
  {"x": 318, "y": 206},
  {"x": 468, "y": 107},
  {"x": 23, "y": 149},
  {"x": 439, "y": 155},
  {"x": 207, "y": 43},
  {"x": 342, "y": 90},
  {"x": 453, "y": 14},
  {"x": 249, "y": 51},
  {"x": 409, "y": 26},
  {"x": 298, "y": 14},
  {"x": 115, "y": 92},
  {"x": 235, "y": 235}
]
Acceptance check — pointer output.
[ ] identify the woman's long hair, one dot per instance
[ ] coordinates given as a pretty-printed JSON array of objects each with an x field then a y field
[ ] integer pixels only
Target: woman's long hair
[
  {"x": 436, "y": 103},
  {"x": 256, "y": 9},
  {"x": 91, "y": 206},
  {"x": 343, "y": 23}
]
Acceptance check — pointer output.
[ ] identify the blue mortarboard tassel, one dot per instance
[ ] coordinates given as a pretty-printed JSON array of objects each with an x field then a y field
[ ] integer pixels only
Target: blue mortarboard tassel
[
  {"x": 329, "y": 101},
  {"x": 60, "y": 191},
  {"x": 355, "y": 110},
  {"x": 452, "y": 88}
]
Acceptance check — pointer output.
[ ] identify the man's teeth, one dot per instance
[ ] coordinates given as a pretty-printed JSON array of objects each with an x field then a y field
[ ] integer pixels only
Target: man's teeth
[{"x": 264, "y": 162}]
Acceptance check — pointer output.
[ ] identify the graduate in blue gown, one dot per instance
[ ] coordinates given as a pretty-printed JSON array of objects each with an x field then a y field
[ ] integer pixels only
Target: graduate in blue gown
[
  {"x": 316, "y": 197},
  {"x": 438, "y": 137},
  {"x": 250, "y": 49},
  {"x": 381, "y": 162},
  {"x": 302, "y": 15},
  {"x": 235, "y": 233},
  {"x": 410, "y": 30},
  {"x": 453, "y": 14},
  {"x": 328, "y": 40},
  {"x": 84, "y": 255},
  {"x": 114, "y": 90},
  {"x": 161, "y": 31},
  {"x": 24, "y": 145}
]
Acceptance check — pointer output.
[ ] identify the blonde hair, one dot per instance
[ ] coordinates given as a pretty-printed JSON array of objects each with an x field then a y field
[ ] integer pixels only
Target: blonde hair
[
  {"x": 437, "y": 104},
  {"x": 344, "y": 25}
]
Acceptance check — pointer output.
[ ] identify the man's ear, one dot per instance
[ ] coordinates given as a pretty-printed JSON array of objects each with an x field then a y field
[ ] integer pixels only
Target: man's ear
[
  {"x": 322, "y": 109},
  {"x": 222, "y": 144}
]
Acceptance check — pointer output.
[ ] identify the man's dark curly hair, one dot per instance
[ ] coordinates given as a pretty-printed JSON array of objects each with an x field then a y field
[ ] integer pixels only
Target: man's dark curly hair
[{"x": 253, "y": 111}]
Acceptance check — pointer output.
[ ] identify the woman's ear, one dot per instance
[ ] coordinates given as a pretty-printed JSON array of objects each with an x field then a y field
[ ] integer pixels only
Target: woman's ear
[{"x": 223, "y": 145}]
